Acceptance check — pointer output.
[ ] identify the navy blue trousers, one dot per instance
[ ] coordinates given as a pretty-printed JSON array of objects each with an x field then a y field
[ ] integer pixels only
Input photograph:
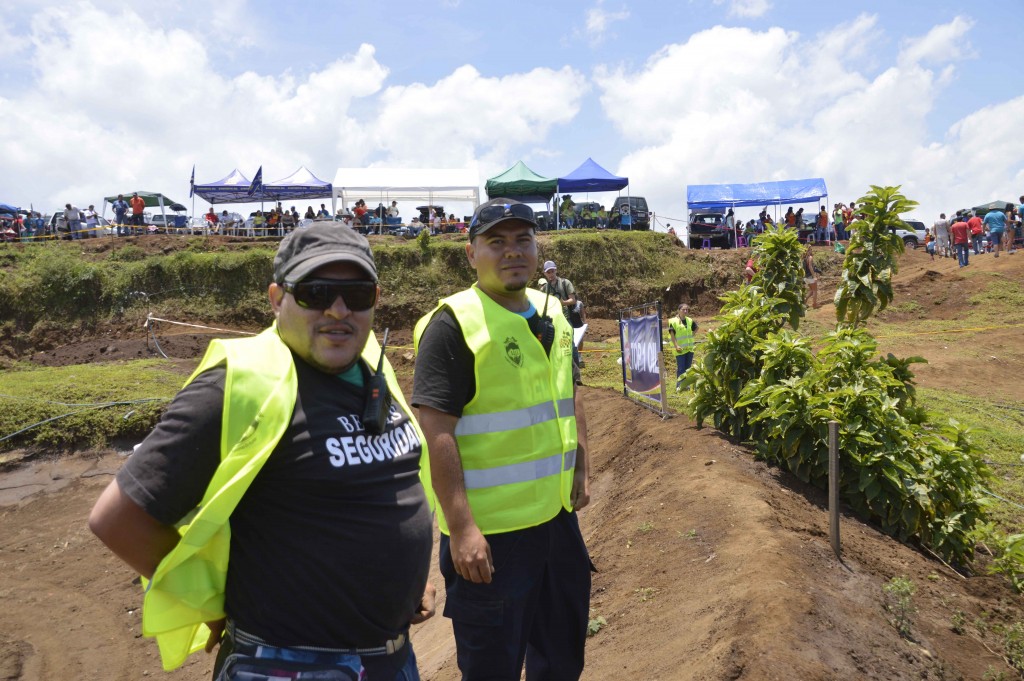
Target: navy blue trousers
[{"x": 535, "y": 609}]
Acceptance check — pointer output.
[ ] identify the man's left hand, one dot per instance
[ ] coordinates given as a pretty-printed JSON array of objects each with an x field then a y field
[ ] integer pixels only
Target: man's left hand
[
  {"x": 426, "y": 608},
  {"x": 216, "y": 632},
  {"x": 580, "y": 495}
]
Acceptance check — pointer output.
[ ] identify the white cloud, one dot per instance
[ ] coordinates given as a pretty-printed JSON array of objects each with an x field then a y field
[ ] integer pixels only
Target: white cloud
[
  {"x": 467, "y": 116},
  {"x": 118, "y": 104},
  {"x": 792, "y": 107},
  {"x": 943, "y": 43},
  {"x": 599, "y": 21},
  {"x": 749, "y": 9}
]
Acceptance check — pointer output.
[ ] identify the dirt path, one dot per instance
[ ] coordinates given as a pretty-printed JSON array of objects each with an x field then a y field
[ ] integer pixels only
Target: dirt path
[{"x": 710, "y": 567}]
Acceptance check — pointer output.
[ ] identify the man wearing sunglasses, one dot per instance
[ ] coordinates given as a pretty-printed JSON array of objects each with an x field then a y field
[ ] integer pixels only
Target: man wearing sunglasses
[
  {"x": 281, "y": 492},
  {"x": 508, "y": 463}
]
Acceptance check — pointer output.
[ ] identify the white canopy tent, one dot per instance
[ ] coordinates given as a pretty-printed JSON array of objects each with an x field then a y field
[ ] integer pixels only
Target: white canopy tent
[{"x": 384, "y": 185}]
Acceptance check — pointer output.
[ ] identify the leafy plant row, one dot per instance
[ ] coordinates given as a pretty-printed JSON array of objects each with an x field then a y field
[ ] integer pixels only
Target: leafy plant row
[{"x": 761, "y": 381}]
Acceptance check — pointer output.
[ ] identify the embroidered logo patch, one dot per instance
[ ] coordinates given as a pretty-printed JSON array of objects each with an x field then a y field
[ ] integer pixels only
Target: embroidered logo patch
[{"x": 512, "y": 352}]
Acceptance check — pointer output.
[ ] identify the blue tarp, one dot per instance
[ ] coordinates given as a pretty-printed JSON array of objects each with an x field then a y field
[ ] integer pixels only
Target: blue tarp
[
  {"x": 232, "y": 189},
  {"x": 590, "y": 177},
  {"x": 708, "y": 196}
]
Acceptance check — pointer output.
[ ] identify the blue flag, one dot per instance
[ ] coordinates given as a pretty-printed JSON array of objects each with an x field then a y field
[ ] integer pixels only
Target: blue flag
[
  {"x": 192, "y": 182},
  {"x": 257, "y": 184}
]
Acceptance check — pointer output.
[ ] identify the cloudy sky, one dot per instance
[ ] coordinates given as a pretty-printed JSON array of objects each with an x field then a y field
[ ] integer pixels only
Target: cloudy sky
[{"x": 108, "y": 96}]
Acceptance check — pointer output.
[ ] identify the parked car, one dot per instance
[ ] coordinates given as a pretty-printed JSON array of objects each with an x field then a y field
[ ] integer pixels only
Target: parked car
[
  {"x": 637, "y": 207},
  {"x": 56, "y": 224},
  {"x": 709, "y": 224},
  {"x": 165, "y": 222},
  {"x": 914, "y": 236},
  {"x": 545, "y": 219}
]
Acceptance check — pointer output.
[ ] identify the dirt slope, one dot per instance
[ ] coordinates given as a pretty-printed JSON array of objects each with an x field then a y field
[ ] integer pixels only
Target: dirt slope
[{"x": 711, "y": 566}]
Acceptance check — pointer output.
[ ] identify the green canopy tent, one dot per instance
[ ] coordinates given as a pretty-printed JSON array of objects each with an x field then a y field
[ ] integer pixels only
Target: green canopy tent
[
  {"x": 522, "y": 184},
  {"x": 152, "y": 199},
  {"x": 992, "y": 205}
]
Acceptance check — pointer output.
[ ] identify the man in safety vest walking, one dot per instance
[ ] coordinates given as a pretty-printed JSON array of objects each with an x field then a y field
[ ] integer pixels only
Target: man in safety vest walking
[
  {"x": 681, "y": 329},
  {"x": 301, "y": 438},
  {"x": 508, "y": 460}
]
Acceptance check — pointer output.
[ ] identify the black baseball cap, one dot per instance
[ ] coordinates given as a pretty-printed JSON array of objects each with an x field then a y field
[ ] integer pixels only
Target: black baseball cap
[
  {"x": 322, "y": 243},
  {"x": 498, "y": 211}
]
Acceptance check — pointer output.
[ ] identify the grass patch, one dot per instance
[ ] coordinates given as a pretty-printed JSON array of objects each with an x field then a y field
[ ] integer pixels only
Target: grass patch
[
  {"x": 998, "y": 434},
  {"x": 31, "y": 395}
]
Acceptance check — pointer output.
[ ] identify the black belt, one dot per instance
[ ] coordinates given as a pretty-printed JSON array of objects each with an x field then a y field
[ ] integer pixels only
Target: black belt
[{"x": 389, "y": 648}]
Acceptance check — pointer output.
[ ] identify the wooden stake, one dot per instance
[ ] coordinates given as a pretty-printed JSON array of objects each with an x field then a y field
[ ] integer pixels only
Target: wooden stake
[{"x": 833, "y": 485}]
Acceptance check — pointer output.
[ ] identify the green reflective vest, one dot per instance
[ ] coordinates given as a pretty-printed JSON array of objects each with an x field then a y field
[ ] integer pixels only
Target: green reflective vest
[
  {"x": 260, "y": 388},
  {"x": 684, "y": 335},
  {"x": 517, "y": 436}
]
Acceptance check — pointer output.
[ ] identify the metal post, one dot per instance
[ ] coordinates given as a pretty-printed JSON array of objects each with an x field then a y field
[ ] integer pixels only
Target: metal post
[
  {"x": 833, "y": 485},
  {"x": 661, "y": 364}
]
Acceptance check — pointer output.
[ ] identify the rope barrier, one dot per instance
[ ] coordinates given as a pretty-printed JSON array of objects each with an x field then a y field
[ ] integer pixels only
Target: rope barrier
[
  {"x": 1004, "y": 500},
  {"x": 151, "y": 318},
  {"x": 936, "y": 333}
]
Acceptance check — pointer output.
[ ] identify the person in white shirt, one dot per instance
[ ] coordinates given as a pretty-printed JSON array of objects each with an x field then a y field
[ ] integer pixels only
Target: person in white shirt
[
  {"x": 73, "y": 219},
  {"x": 941, "y": 231}
]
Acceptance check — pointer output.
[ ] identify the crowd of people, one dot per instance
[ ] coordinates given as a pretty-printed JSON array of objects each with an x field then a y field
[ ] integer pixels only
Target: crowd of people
[{"x": 997, "y": 231}]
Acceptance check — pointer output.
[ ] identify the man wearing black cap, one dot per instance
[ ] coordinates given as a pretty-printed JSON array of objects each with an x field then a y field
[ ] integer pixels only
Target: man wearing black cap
[
  {"x": 508, "y": 462},
  {"x": 285, "y": 435}
]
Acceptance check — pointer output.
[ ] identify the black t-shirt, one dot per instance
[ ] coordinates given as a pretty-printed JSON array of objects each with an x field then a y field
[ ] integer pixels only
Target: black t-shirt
[
  {"x": 444, "y": 378},
  {"x": 330, "y": 545}
]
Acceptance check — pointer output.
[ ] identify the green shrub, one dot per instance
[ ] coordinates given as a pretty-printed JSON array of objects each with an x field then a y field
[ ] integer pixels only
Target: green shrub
[{"x": 763, "y": 383}]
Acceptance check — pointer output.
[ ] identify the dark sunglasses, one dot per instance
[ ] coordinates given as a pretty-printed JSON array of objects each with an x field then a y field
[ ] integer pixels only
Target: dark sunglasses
[
  {"x": 320, "y": 294},
  {"x": 489, "y": 214}
]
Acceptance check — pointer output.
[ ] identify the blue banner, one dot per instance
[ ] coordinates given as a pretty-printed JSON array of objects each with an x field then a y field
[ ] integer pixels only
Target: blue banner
[{"x": 641, "y": 343}]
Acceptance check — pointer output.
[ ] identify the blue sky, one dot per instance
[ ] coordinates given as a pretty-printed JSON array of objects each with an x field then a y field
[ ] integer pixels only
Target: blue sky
[{"x": 102, "y": 96}]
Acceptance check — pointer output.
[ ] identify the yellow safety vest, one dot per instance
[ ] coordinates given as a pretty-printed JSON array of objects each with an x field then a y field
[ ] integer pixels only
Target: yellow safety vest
[
  {"x": 684, "y": 335},
  {"x": 517, "y": 436},
  {"x": 260, "y": 388}
]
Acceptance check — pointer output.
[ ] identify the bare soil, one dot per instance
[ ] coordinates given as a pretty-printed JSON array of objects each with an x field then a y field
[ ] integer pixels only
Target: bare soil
[{"x": 711, "y": 565}]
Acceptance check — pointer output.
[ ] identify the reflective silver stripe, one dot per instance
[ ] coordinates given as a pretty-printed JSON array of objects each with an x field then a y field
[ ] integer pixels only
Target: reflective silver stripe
[
  {"x": 478, "y": 424},
  {"x": 513, "y": 473},
  {"x": 570, "y": 460},
  {"x": 567, "y": 407}
]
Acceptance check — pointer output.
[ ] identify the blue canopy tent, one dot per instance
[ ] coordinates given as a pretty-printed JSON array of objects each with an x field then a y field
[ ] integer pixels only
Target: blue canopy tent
[
  {"x": 720, "y": 196},
  {"x": 7, "y": 208},
  {"x": 709, "y": 196},
  {"x": 232, "y": 189},
  {"x": 590, "y": 177},
  {"x": 301, "y": 184}
]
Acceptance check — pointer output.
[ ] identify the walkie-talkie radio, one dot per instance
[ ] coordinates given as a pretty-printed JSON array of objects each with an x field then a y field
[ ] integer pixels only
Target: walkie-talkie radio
[{"x": 378, "y": 396}]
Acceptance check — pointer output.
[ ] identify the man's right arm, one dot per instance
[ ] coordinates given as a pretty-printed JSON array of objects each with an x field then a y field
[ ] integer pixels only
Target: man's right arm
[
  {"x": 443, "y": 383},
  {"x": 165, "y": 478},
  {"x": 471, "y": 554},
  {"x": 134, "y": 536}
]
